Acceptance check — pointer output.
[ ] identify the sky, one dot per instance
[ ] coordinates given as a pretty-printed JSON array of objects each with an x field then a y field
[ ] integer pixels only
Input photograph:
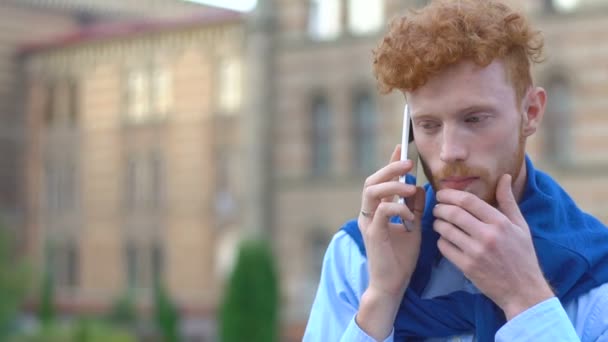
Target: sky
[{"x": 237, "y": 5}]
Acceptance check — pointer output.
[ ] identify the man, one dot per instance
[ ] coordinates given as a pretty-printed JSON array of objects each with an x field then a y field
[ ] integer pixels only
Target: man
[{"x": 498, "y": 251}]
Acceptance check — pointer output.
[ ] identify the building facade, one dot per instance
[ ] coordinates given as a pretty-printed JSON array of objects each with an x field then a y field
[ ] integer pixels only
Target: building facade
[
  {"x": 14, "y": 33},
  {"x": 39, "y": 20},
  {"x": 132, "y": 128}
]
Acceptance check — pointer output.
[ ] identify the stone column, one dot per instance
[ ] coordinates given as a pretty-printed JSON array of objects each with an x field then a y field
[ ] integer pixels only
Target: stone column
[{"x": 258, "y": 113}]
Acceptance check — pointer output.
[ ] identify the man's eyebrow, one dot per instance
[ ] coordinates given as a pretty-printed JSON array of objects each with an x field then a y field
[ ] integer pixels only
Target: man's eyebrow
[
  {"x": 416, "y": 115},
  {"x": 423, "y": 116},
  {"x": 476, "y": 108},
  {"x": 463, "y": 111}
]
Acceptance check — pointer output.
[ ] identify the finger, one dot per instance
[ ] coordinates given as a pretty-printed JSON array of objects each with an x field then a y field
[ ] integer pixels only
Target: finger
[
  {"x": 389, "y": 172},
  {"x": 387, "y": 191},
  {"x": 471, "y": 203},
  {"x": 507, "y": 203},
  {"x": 451, "y": 252},
  {"x": 396, "y": 155},
  {"x": 383, "y": 214},
  {"x": 453, "y": 234},
  {"x": 458, "y": 217}
]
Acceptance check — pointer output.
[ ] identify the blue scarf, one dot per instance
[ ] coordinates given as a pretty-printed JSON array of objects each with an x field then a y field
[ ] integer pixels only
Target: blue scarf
[{"x": 572, "y": 248}]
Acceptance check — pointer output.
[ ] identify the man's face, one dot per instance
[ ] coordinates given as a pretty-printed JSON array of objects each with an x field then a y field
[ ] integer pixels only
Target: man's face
[{"x": 468, "y": 128}]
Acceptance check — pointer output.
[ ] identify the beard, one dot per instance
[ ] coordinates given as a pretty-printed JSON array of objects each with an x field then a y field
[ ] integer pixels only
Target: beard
[{"x": 489, "y": 181}]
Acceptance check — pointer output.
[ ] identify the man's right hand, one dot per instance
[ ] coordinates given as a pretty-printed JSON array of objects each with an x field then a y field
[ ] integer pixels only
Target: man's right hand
[{"x": 392, "y": 250}]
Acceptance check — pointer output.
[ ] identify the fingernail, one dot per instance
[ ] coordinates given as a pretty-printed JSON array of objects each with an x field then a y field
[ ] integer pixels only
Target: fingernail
[{"x": 408, "y": 225}]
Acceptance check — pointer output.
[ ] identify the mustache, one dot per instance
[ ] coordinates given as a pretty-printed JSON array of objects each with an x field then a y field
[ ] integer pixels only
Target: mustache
[{"x": 459, "y": 170}]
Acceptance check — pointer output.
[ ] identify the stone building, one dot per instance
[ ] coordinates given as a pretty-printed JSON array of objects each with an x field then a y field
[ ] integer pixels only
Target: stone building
[
  {"x": 124, "y": 122},
  {"x": 13, "y": 15}
]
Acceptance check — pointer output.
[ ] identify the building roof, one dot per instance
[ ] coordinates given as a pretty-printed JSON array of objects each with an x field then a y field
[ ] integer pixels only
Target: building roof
[
  {"x": 113, "y": 8},
  {"x": 112, "y": 30}
]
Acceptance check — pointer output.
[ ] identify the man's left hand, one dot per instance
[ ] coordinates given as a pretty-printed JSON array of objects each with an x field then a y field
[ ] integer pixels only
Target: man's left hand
[{"x": 492, "y": 247}]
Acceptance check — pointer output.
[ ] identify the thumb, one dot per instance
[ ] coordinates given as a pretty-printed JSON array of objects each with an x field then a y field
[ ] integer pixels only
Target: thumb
[{"x": 507, "y": 204}]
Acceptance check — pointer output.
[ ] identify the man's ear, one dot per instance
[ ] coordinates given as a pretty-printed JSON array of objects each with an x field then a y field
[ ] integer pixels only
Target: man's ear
[{"x": 534, "y": 103}]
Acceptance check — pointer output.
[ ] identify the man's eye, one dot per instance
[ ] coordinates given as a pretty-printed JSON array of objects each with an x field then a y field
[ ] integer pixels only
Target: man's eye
[
  {"x": 475, "y": 119},
  {"x": 428, "y": 125}
]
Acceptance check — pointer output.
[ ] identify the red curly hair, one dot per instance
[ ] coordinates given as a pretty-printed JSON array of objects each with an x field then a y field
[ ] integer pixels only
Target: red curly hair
[{"x": 421, "y": 44}]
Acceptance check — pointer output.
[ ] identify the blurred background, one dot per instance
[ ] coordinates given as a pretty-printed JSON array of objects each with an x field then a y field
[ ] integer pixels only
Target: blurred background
[{"x": 142, "y": 140}]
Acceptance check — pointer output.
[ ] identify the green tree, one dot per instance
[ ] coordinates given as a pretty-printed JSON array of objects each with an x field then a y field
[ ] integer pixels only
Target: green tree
[
  {"x": 13, "y": 281},
  {"x": 250, "y": 307},
  {"x": 166, "y": 314}
]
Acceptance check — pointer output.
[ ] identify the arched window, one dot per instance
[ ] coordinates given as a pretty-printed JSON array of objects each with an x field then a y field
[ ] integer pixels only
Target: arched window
[
  {"x": 321, "y": 136},
  {"x": 364, "y": 133}
]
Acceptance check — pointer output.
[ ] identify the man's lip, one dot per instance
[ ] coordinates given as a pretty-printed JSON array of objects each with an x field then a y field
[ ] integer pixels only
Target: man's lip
[{"x": 458, "y": 183}]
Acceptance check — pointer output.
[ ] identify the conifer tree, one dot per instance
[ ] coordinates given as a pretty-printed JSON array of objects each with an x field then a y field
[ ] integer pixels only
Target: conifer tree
[{"x": 249, "y": 311}]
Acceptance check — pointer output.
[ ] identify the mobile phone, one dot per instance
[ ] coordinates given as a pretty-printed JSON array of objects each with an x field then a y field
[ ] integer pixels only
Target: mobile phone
[{"x": 408, "y": 149}]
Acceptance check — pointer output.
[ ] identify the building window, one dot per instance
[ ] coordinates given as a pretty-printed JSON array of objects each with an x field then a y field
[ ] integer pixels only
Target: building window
[
  {"x": 162, "y": 91},
  {"x": 365, "y": 16},
  {"x": 149, "y": 94},
  {"x": 158, "y": 262},
  {"x": 231, "y": 82},
  {"x": 557, "y": 134},
  {"x": 144, "y": 182},
  {"x": 138, "y": 96},
  {"x": 144, "y": 264},
  {"x": 324, "y": 21},
  {"x": 72, "y": 265},
  {"x": 364, "y": 133},
  {"x": 561, "y": 6},
  {"x": 321, "y": 137},
  {"x": 61, "y": 186},
  {"x": 132, "y": 268},
  {"x": 62, "y": 105},
  {"x": 318, "y": 245},
  {"x": 63, "y": 259},
  {"x": 225, "y": 182}
]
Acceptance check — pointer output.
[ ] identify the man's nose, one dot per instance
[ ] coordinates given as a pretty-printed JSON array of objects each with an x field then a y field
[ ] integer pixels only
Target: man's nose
[{"x": 453, "y": 147}]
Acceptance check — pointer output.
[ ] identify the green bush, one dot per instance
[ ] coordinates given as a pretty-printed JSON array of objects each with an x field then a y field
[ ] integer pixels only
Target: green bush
[
  {"x": 166, "y": 315},
  {"x": 46, "y": 310},
  {"x": 249, "y": 310},
  {"x": 13, "y": 281},
  {"x": 83, "y": 330},
  {"x": 124, "y": 311}
]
